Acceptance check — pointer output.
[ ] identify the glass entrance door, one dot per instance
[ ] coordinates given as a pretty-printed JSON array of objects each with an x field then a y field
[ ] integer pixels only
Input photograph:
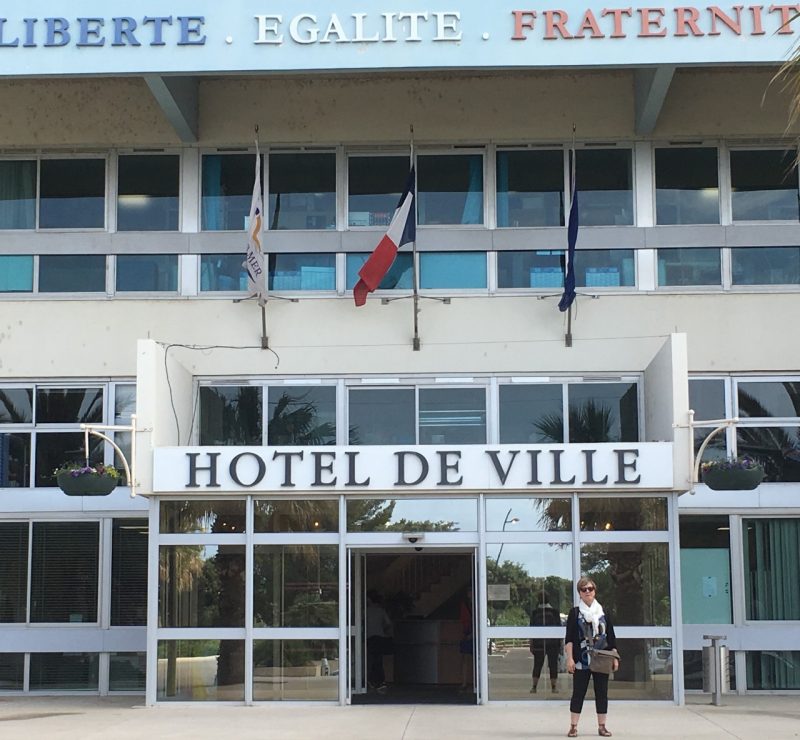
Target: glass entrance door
[{"x": 412, "y": 624}]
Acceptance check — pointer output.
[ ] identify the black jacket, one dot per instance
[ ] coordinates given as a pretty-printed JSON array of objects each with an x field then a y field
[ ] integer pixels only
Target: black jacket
[{"x": 575, "y": 637}]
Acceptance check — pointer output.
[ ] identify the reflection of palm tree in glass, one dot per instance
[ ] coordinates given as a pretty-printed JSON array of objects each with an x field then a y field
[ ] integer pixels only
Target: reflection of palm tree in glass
[
  {"x": 771, "y": 446},
  {"x": 588, "y": 422},
  {"x": 294, "y": 421}
]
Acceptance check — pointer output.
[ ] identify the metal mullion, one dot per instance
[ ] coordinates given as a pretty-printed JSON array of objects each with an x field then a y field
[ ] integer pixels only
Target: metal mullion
[
  {"x": 208, "y": 540},
  {"x": 248, "y": 601},
  {"x": 480, "y": 598},
  {"x": 30, "y": 572},
  {"x": 104, "y": 576},
  {"x": 151, "y": 686},
  {"x": 676, "y": 606},
  {"x": 611, "y": 537},
  {"x": 296, "y": 633},
  {"x": 344, "y": 604},
  {"x": 290, "y": 538},
  {"x": 201, "y": 633}
]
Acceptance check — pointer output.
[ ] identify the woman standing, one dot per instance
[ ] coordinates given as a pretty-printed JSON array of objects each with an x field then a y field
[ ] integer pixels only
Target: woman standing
[{"x": 588, "y": 626}]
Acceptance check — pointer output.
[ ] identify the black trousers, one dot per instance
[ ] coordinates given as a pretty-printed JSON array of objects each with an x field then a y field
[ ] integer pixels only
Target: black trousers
[
  {"x": 580, "y": 683},
  {"x": 552, "y": 652},
  {"x": 377, "y": 647}
]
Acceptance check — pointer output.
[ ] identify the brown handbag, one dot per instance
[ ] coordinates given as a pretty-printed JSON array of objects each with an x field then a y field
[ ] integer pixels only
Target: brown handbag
[{"x": 602, "y": 661}]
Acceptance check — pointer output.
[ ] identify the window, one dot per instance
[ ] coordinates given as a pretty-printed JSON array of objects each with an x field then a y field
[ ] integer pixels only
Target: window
[
  {"x": 452, "y": 270},
  {"x": 529, "y": 515},
  {"x": 129, "y": 572},
  {"x": 603, "y": 412},
  {"x": 72, "y": 273},
  {"x": 72, "y": 193},
  {"x": 381, "y": 416},
  {"x": 302, "y": 271},
  {"x": 450, "y": 189},
  {"x": 301, "y": 415},
  {"x": 605, "y": 184},
  {"x": 231, "y": 415},
  {"x": 764, "y": 185},
  {"x": 773, "y": 670},
  {"x": 302, "y": 191},
  {"x": 16, "y": 273},
  {"x": 544, "y": 269},
  {"x": 687, "y": 267},
  {"x": 605, "y": 268},
  {"x": 201, "y": 670},
  {"x": 412, "y": 515},
  {"x": 531, "y": 413},
  {"x": 705, "y": 569},
  {"x": 17, "y": 194},
  {"x": 298, "y": 670},
  {"x": 12, "y": 671},
  {"x": 64, "y": 571},
  {"x": 227, "y": 190},
  {"x": 687, "y": 186},
  {"x": 147, "y": 197},
  {"x": 452, "y": 416},
  {"x": 707, "y": 398},
  {"x": 150, "y": 273},
  {"x": 399, "y": 277},
  {"x": 64, "y": 671},
  {"x": 530, "y": 188},
  {"x": 202, "y": 517},
  {"x": 295, "y": 515},
  {"x": 14, "y": 574},
  {"x": 222, "y": 272},
  {"x": 771, "y": 565},
  {"x": 374, "y": 186},
  {"x": 127, "y": 671},
  {"x": 765, "y": 265}
]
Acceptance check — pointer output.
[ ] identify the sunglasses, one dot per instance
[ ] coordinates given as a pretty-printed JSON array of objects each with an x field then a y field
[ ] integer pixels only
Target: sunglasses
[{"x": 587, "y": 589}]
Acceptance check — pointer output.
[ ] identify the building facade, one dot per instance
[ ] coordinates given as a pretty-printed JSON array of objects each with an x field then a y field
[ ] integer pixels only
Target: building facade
[{"x": 454, "y": 460}]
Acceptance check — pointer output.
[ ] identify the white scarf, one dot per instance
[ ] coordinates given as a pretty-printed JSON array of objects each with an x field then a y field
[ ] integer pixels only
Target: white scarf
[{"x": 592, "y": 614}]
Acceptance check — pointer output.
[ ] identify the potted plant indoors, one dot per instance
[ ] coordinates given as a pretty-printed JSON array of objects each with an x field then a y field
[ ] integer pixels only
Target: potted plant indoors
[
  {"x": 78, "y": 479},
  {"x": 732, "y": 474}
]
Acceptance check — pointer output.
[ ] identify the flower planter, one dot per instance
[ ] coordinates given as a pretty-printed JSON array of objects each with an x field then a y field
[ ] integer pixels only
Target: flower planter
[
  {"x": 86, "y": 485},
  {"x": 734, "y": 479}
]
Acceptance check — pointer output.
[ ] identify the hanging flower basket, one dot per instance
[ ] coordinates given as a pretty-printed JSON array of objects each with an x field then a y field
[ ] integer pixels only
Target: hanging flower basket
[
  {"x": 736, "y": 474},
  {"x": 85, "y": 480}
]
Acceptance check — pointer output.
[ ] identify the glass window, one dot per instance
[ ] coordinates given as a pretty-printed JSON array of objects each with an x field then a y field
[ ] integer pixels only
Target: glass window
[
  {"x": 147, "y": 273},
  {"x": 381, "y": 416},
  {"x": 14, "y": 573},
  {"x": 12, "y": 671},
  {"x": 129, "y": 572},
  {"x": 605, "y": 268},
  {"x": 64, "y": 671},
  {"x": 687, "y": 186},
  {"x": 127, "y": 671},
  {"x": 452, "y": 270},
  {"x": 202, "y": 517},
  {"x": 374, "y": 186},
  {"x": 17, "y": 194},
  {"x": 296, "y": 586},
  {"x": 231, "y": 415},
  {"x": 531, "y": 413},
  {"x": 69, "y": 405},
  {"x": 693, "y": 669},
  {"x": 450, "y": 189},
  {"x": 227, "y": 190},
  {"x": 295, "y": 670},
  {"x": 124, "y": 408},
  {"x": 15, "y": 460},
  {"x": 764, "y": 185},
  {"x": 72, "y": 194},
  {"x": 148, "y": 187},
  {"x": 776, "y": 448},
  {"x": 685, "y": 267},
  {"x": 452, "y": 416},
  {"x": 705, "y": 569},
  {"x": 768, "y": 398},
  {"x": 773, "y": 670},
  {"x": 412, "y": 515},
  {"x": 296, "y": 515},
  {"x": 302, "y": 271},
  {"x": 543, "y": 268},
  {"x": 632, "y": 580},
  {"x": 301, "y": 415},
  {"x": 55, "y": 448},
  {"x": 302, "y": 191},
  {"x": 530, "y": 188},
  {"x": 765, "y": 265},
  {"x": 510, "y": 669},
  {"x": 16, "y": 405},
  {"x": 528, "y": 514},
  {"x": 72, "y": 273},
  {"x": 521, "y": 578},
  {"x": 707, "y": 398},
  {"x": 399, "y": 277},
  {"x": 623, "y": 514},
  {"x": 200, "y": 670},
  {"x": 16, "y": 273},
  {"x": 605, "y": 185},
  {"x": 772, "y": 568},
  {"x": 201, "y": 586},
  {"x": 647, "y": 671},
  {"x": 64, "y": 571},
  {"x": 603, "y": 412},
  {"x": 222, "y": 272}
]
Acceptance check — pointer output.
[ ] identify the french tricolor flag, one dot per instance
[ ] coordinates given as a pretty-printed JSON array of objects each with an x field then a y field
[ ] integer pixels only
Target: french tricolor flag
[{"x": 402, "y": 230}]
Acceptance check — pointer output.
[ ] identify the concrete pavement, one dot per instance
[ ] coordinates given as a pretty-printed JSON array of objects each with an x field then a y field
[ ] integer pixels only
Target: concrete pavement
[{"x": 124, "y": 718}]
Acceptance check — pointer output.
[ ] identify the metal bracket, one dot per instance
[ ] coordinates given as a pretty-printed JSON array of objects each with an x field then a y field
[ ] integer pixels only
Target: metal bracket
[
  {"x": 695, "y": 459},
  {"x": 130, "y": 469}
]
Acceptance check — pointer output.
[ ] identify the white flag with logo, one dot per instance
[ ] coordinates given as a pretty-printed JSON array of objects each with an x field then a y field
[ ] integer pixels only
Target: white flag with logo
[{"x": 254, "y": 261}]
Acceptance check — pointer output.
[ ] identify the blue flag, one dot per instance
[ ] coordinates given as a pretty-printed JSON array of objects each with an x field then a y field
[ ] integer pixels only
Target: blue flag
[{"x": 572, "y": 237}]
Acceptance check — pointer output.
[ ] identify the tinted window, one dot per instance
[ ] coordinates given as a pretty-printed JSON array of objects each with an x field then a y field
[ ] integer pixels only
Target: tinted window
[
  {"x": 530, "y": 188},
  {"x": 450, "y": 189},
  {"x": 687, "y": 186},
  {"x": 764, "y": 185},
  {"x": 72, "y": 194},
  {"x": 374, "y": 186},
  {"x": 302, "y": 191},
  {"x": 18, "y": 194},
  {"x": 605, "y": 186}
]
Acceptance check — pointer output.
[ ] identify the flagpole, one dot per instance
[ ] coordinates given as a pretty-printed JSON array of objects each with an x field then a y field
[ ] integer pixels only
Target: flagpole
[
  {"x": 264, "y": 337},
  {"x": 415, "y": 342}
]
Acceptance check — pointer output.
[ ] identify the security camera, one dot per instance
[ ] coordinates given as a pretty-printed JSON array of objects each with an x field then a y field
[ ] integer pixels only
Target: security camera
[
  {"x": 418, "y": 549},
  {"x": 413, "y": 537}
]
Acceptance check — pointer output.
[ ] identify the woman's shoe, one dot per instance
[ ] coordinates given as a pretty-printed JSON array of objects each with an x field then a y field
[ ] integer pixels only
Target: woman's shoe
[
  {"x": 573, "y": 731},
  {"x": 603, "y": 731}
]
